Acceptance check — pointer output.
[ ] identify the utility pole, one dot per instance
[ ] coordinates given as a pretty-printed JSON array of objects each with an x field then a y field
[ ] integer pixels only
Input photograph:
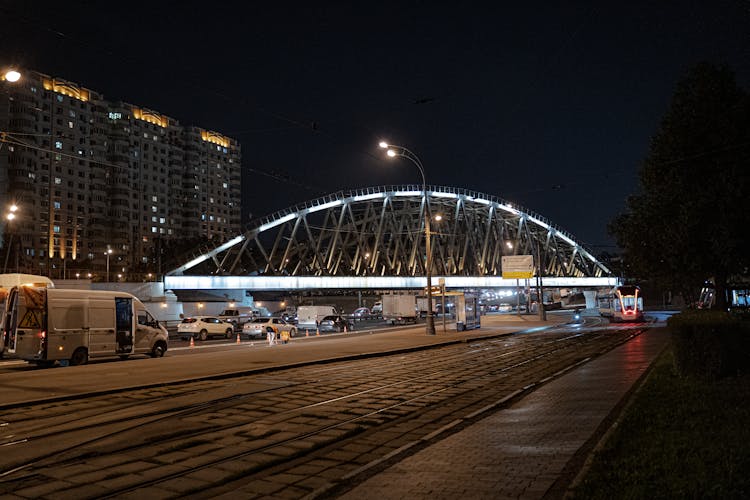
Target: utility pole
[{"x": 539, "y": 285}]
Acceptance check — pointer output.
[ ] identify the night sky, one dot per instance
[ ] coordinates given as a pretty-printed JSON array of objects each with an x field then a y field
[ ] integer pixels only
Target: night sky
[{"x": 550, "y": 105}]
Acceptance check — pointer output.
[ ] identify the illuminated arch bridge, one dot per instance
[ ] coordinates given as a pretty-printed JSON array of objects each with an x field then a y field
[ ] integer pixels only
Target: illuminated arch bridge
[{"x": 375, "y": 238}]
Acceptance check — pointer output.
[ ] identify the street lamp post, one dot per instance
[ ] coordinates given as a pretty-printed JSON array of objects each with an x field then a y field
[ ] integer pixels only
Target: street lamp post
[
  {"x": 403, "y": 152},
  {"x": 108, "y": 253},
  {"x": 10, "y": 76},
  {"x": 10, "y": 216}
]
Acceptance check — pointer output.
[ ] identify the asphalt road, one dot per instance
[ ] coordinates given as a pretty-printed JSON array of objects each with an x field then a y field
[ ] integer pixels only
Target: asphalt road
[{"x": 209, "y": 420}]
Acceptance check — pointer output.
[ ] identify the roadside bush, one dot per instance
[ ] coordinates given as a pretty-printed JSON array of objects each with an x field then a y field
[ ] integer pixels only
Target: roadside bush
[{"x": 710, "y": 344}]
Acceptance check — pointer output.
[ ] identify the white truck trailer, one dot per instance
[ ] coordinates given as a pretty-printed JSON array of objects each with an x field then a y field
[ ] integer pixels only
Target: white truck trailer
[
  {"x": 400, "y": 309},
  {"x": 308, "y": 317}
]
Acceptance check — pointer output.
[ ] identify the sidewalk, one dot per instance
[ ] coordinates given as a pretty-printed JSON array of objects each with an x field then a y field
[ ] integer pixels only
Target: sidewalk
[{"x": 532, "y": 449}]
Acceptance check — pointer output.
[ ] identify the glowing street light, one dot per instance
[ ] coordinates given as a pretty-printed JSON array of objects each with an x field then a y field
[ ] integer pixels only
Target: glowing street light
[
  {"x": 393, "y": 151},
  {"x": 12, "y": 76}
]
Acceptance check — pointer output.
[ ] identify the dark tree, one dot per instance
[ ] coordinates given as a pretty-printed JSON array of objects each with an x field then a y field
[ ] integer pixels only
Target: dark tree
[{"x": 689, "y": 220}]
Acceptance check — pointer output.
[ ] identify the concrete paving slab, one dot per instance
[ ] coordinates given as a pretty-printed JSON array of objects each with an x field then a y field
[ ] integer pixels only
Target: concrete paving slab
[{"x": 522, "y": 451}]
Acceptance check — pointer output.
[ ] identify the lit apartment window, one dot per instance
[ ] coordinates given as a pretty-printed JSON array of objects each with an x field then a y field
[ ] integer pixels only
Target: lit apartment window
[
  {"x": 154, "y": 199},
  {"x": 58, "y": 144},
  {"x": 70, "y": 124},
  {"x": 58, "y": 180},
  {"x": 162, "y": 220},
  {"x": 153, "y": 209},
  {"x": 56, "y": 229},
  {"x": 57, "y": 205},
  {"x": 153, "y": 229}
]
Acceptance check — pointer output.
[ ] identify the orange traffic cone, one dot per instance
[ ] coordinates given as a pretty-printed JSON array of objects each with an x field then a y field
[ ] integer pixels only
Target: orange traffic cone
[
  {"x": 238, "y": 338},
  {"x": 317, "y": 332},
  {"x": 345, "y": 330},
  {"x": 307, "y": 332},
  {"x": 192, "y": 342}
]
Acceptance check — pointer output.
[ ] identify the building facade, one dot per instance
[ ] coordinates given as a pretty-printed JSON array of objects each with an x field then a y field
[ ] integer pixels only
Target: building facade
[{"x": 101, "y": 185}]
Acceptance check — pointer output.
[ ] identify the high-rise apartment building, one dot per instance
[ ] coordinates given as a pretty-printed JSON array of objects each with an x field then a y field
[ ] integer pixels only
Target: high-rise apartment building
[{"x": 89, "y": 175}]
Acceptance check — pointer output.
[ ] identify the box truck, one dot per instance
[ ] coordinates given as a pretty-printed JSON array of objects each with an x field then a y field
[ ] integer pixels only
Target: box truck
[
  {"x": 308, "y": 317},
  {"x": 45, "y": 325},
  {"x": 400, "y": 309}
]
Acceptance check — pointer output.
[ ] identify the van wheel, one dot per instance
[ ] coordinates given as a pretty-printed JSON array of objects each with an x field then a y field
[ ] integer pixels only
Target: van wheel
[
  {"x": 203, "y": 335},
  {"x": 158, "y": 350},
  {"x": 292, "y": 332},
  {"x": 229, "y": 332},
  {"x": 80, "y": 357}
]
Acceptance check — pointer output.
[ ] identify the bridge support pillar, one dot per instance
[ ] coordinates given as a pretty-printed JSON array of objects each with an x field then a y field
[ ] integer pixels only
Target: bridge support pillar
[{"x": 590, "y": 296}]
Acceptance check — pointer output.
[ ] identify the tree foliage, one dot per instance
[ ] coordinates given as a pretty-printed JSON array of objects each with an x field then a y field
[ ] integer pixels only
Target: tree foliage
[{"x": 689, "y": 220}]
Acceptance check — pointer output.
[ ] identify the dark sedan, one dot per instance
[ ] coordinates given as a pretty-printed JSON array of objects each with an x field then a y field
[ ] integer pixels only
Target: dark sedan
[{"x": 334, "y": 324}]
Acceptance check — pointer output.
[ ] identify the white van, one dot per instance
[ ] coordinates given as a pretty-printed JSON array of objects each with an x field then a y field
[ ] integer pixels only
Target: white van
[
  {"x": 239, "y": 315},
  {"x": 45, "y": 325}
]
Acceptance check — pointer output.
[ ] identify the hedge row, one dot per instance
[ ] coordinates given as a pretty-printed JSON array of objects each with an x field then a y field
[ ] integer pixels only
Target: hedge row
[{"x": 710, "y": 344}]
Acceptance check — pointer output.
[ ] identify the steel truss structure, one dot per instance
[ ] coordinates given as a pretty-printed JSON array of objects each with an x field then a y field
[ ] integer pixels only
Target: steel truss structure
[{"x": 379, "y": 231}]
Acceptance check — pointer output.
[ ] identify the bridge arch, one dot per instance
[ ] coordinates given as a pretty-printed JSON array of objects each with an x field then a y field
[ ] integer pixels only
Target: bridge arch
[{"x": 379, "y": 231}]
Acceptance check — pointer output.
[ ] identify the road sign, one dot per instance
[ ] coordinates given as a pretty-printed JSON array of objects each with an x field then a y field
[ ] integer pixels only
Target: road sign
[
  {"x": 518, "y": 266},
  {"x": 30, "y": 320}
]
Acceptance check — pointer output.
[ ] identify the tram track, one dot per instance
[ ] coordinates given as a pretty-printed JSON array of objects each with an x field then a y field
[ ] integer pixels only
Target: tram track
[{"x": 353, "y": 420}]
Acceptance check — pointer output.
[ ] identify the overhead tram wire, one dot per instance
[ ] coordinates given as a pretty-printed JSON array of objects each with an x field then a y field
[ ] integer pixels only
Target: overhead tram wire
[
  {"x": 309, "y": 125},
  {"x": 125, "y": 59},
  {"x": 17, "y": 142}
]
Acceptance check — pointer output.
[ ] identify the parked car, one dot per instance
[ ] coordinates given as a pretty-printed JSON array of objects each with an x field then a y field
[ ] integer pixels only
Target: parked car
[
  {"x": 377, "y": 308},
  {"x": 505, "y": 308},
  {"x": 259, "y": 327},
  {"x": 333, "y": 324},
  {"x": 203, "y": 327},
  {"x": 361, "y": 312}
]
